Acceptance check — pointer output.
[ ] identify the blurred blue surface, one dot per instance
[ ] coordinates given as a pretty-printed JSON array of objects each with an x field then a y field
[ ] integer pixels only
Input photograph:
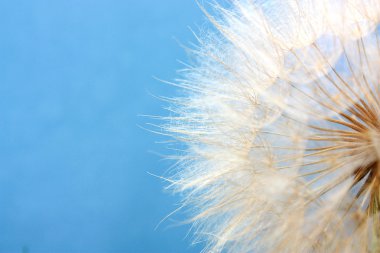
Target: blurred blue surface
[{"x": 74, "y": 75}]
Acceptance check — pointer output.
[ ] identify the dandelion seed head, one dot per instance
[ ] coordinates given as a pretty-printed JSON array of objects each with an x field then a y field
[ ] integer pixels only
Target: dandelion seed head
[{"x": 280, "y": 120}]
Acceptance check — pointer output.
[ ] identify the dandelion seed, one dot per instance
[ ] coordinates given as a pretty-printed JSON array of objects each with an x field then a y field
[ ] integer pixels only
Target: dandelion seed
[{"x": 281, "y": 126}]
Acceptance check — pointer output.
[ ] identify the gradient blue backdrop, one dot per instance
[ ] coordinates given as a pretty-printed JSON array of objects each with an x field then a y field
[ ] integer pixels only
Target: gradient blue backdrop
[{"x": 74, "y": 75}]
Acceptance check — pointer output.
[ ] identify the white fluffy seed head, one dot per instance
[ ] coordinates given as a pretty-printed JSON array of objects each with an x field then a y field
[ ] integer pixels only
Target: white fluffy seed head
[{"x": 280, "y": 124}]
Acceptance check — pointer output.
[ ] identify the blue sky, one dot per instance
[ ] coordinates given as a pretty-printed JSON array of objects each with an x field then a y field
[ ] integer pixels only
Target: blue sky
[{"x": 74, "y": 75}]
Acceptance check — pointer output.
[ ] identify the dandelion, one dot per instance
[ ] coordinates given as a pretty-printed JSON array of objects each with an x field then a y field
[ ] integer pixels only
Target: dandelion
[{"x": 280, "y": 128}]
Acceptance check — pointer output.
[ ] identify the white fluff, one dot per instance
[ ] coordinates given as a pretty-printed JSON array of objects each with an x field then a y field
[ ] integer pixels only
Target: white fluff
[{"x": 280, "y": 129}]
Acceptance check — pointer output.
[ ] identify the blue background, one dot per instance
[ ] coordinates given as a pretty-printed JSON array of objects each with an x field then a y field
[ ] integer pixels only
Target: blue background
[{"x": 74, "y": 75}]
